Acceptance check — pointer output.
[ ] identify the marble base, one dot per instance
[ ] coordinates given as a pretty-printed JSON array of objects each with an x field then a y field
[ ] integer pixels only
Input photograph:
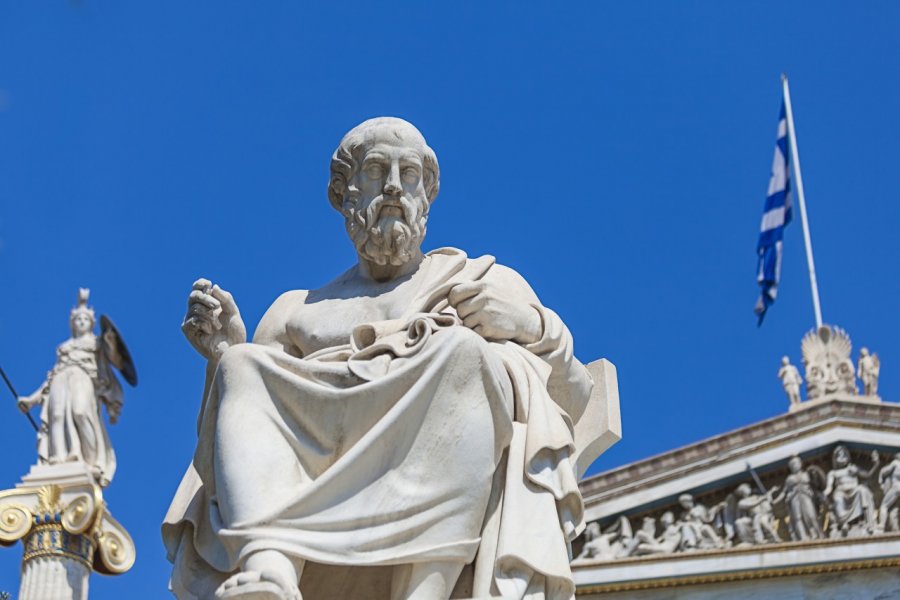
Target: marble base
[{"x": 62, "y": 474}]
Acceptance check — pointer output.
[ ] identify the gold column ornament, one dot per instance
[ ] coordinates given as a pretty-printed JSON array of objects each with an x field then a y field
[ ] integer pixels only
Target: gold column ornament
[{"x": 66, "y": 521}]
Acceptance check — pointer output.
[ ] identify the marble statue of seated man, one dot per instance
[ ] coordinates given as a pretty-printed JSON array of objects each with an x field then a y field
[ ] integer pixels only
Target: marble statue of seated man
[{"x": 406, "y": 423}]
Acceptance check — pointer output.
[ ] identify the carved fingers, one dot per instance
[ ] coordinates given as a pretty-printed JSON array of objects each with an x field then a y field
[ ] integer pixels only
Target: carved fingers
[
  {"x": 489, "y": 312},
  {"x": 213, "y": 321},
  {"x": 203, "y": 307},
  {"x": 230, "y": 318}
]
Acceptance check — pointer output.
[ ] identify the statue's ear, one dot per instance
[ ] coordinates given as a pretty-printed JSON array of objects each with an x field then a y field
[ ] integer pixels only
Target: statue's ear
[{"x": 337, "y": 187}]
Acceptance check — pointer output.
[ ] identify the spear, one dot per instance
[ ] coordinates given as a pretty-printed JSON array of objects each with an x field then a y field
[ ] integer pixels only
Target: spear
[
  {"x": 16, "y": 396},
  {"x": 756, "y": 478}
]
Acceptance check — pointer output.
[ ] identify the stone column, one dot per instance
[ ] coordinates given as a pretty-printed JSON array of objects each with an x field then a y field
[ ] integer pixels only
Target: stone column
[
  {"x": 54, "y": 578},
  {"x": 56, "y": 564},
  {"x": 66, "y": 530}
]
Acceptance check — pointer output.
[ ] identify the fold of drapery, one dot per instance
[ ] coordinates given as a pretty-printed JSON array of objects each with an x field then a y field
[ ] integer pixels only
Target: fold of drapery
[{"x": 533, "y": 515}]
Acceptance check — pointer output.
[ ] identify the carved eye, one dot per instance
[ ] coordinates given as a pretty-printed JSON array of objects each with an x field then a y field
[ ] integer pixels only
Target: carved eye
[
  {"x": 411, "y": 175},
  {"x": 374, "y": 171}
]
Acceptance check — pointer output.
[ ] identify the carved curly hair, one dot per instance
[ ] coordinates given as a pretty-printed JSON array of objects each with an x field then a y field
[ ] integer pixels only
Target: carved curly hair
[{"x": 345, "y": 161}]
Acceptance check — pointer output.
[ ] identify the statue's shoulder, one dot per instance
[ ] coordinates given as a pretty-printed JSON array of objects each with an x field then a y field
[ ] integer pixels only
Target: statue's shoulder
[
  {"x": 288, "y": 303},
  {"x": 486, "y": 262},
  {"x": 512, "y": 281},
  {"x": 273, "y": 324},
  {"x": 482, "y": 267}
]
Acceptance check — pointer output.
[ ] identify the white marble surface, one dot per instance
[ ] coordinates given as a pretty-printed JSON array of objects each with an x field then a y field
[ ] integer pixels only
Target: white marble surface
[
  {"x": 867, "y": 584},
  {"x": 734, "y": 463},
  {"x": 728, "y": 562},
  {"x": 54, "y": 578},
  {"x": 417, "y": 410},
  {"x": 81, "y": 381}
]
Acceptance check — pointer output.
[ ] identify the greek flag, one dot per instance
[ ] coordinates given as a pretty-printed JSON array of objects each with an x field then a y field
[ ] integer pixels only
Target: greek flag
[{"x": 776, "y": 215}]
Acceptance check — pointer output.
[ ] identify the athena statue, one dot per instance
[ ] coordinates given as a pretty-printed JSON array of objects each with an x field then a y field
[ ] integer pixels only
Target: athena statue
[{"x": 72, "y": 428}]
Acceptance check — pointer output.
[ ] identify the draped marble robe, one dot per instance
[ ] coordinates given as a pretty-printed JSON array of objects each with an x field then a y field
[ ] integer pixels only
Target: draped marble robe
[
  {"x": 79, "y": 382},
  {"x": 416, "y": 441}
]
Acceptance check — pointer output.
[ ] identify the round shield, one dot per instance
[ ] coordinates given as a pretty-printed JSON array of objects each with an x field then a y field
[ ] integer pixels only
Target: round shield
[{"x": 116, "y": 350}]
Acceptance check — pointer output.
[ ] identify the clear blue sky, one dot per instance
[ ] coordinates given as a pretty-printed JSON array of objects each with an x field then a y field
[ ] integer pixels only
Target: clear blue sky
[{"x": 616, "y": 154}]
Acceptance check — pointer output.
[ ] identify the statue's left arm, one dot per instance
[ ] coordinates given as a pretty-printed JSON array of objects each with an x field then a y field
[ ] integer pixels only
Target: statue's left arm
[
  {"x": 502, "y": 306},
  {"x": 876, "y": 461}
]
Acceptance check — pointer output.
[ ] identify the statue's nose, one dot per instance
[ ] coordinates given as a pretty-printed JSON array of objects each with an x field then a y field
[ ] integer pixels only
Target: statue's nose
[{"x": 392, "y": 184}]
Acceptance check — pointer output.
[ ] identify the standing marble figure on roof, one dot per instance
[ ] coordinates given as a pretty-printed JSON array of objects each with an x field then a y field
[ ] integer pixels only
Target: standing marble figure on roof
[{"x": 791, "y": 380}]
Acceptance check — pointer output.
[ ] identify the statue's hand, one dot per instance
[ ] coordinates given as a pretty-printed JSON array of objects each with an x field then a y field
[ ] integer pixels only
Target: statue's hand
[
  {"x": 115, "y": 411},
  {"x": 25, "y": 403},
  {"x": 213, "y": 321},
  {"x": 486, "y": 310}
]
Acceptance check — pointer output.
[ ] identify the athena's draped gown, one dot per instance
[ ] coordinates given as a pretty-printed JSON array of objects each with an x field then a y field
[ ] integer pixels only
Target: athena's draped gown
[{"x": 71, "y": 424}]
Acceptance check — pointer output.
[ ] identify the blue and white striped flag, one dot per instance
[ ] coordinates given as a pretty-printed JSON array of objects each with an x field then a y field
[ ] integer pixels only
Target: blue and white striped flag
[{"x": 776, "y": 215}]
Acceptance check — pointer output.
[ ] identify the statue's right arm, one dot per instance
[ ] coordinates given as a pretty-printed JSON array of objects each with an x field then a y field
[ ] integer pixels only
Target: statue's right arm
[{"x": 26, "y": 403}]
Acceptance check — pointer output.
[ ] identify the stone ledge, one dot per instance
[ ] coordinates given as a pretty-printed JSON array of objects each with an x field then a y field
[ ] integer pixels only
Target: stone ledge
[{"x": 753, "y": 562}]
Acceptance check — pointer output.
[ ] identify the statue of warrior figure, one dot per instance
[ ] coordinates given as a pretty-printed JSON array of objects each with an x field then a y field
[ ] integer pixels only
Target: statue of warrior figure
[
  {"x": 755, "y": 522},
  {"x": 82, "y": 379}
]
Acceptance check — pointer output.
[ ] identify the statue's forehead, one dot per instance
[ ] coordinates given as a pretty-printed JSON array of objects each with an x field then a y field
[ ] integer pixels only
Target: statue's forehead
[
  {"x": 393, "y": 135},
  {"x": 388, "y": 149}
]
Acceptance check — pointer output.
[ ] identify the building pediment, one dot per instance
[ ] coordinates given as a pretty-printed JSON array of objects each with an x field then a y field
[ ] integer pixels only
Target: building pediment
[{"x": 737, "y": 506}]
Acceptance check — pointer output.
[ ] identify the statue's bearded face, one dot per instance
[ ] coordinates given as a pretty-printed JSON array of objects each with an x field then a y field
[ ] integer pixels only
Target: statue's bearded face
[
  {"x": 383, "y": 180},
  {"x": 387, "y": 219}
]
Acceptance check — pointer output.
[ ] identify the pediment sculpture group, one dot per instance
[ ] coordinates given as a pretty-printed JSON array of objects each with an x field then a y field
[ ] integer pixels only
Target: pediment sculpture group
[
  {"x": 847, "y": 501},
  {"x": 829, "y": 368}
]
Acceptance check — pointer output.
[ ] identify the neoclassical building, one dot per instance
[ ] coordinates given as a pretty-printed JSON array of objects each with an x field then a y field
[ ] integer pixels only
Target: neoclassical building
[{"x": 802, "y": 505}]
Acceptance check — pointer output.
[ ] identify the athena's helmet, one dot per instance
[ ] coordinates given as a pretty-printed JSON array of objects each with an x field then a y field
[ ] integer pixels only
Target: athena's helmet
[{"x": 82, "y": 308}]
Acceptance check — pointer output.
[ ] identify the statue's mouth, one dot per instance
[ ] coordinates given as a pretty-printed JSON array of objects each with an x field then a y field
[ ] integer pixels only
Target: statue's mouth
[{"x": 390, "y": 210}]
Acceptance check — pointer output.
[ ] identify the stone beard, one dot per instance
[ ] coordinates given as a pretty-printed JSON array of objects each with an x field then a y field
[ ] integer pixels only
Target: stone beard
[
  {"x": 388, "y": 239},
  {"x": 387, "y": 228},
  {"x": 419, "y": 416}
]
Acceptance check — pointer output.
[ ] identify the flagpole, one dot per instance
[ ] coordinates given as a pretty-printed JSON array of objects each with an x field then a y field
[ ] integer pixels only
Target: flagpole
[{"x": 792, "y": 136}]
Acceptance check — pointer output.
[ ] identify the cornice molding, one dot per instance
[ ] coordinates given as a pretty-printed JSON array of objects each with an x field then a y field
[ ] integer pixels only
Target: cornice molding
[{"x": 665, "y": 582}]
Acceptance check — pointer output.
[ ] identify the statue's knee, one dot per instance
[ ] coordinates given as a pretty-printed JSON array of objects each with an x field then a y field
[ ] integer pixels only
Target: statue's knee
[
  {"x": 466, "y": 339},
  {"x": 80, "y": 414},
  {"x": 237, "y": 359},
  {"x": 56, "y": 411}
]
